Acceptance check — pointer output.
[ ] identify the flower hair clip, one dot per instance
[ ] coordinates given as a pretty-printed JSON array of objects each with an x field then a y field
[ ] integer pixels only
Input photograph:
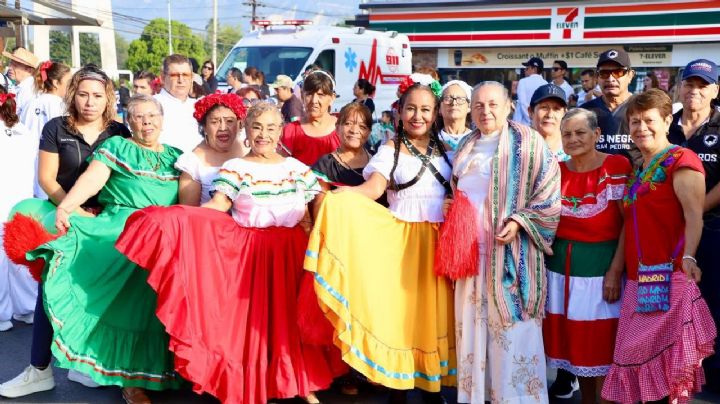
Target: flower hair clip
[
  {"x": 419, "y": 78},
  {"x": 232, "y": 101},
  {"x": 6, "y": 96},
  {"x": 44, "y": 68}
]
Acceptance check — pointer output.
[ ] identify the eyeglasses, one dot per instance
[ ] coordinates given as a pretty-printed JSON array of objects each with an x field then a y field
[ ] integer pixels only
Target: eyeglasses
[
  {"x": 617, "y": 73},
  {"x": 449, "y": 100},
  {"x": 176, "y": 76},
  {"x": 208, "y": 67},
  {"x": 151, "y": 116},
  {"x": 248, "y": 102}
]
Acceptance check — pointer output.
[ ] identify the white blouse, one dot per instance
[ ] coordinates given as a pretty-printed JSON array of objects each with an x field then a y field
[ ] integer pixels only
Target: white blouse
[
  {"x": 190, "y": 163},
  {"x": 266, "y": 195},
  {"x": 421, "y": 202},
  {"x": 18, "y": 149}
]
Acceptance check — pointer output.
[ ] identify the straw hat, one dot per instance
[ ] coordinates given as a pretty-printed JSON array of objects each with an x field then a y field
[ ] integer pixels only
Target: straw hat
[{"x": 23, "y": 56}]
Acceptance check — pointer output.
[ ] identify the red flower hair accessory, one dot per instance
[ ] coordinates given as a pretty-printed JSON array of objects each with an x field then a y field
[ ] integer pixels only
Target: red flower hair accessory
[
  {"x": 44, "y": 68},
  {"x": 232, "y": 101},
  {"x": 424, "y": 79},
  {"x": 6, "y": 96},
  {"x": 156, "y": 85}
]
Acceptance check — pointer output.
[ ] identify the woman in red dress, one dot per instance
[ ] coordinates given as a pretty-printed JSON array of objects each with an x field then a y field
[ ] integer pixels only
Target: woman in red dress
[
  {"x": 665, "y": 328},
  {"x": 314, "y": 135},
  {"x": 228, "y": 285}
]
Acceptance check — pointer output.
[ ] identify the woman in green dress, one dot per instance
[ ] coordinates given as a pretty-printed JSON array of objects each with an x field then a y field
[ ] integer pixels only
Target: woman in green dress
[{"x": 101, "y": 308}]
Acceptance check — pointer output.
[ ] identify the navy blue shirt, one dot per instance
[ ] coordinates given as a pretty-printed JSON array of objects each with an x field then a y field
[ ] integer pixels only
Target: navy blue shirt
[{"x": 614, "y": 136}]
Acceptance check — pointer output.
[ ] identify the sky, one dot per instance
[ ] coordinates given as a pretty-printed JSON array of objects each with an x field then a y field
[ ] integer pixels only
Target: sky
[{"x": 196, "y": 13}]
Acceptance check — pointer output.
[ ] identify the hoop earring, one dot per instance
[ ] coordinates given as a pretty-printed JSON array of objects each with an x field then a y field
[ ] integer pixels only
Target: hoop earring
[{"x": 246, "y": 142}]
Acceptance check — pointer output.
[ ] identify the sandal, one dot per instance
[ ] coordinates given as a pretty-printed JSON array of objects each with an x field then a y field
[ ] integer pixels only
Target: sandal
[
  {"x": 311, "y": 399},
  {"x": 135, "y": 395}
]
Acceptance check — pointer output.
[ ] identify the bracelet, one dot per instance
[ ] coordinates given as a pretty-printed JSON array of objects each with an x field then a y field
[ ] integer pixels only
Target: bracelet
[{"x": 690, "y": 257}]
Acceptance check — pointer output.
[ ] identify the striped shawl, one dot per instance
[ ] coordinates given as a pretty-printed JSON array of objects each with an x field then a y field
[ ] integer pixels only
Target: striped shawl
[{"x": 524, "y": 187}]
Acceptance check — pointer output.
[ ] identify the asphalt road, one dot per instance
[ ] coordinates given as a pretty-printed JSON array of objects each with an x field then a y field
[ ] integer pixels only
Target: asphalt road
[{"x": 15, "y": 356}]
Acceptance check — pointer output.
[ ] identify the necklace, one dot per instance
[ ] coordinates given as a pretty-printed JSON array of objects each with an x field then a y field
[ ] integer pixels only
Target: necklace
[
  {"x": 346, "y": 165},
  {"x": 154, "y": 165}
]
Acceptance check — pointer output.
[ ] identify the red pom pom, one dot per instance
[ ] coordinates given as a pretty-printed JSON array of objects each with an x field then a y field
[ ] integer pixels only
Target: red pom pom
[
  {"x": 23, "y": 234},
  {"x": 232, "y": 101},
  {"x": 457, "y": 255}
]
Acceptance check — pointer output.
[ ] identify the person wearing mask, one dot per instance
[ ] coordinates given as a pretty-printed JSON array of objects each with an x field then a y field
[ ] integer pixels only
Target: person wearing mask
[
  {"x": 547, "y": 108},
  {"x": 697, "y": 127},
  {"x": 559, "y": 71},
  {"x": 455, "y": 110},
  {"x": 590, "y": 90},
  {"x": 180, "y": 129},
  {"x": 22, "y": 66},
  {"x": 363, "y": 91},
  {"x": 526, "y": 87},
  {"x": 143, "y": 83},
  {"x": 18, "y": 150},
  {"x": 292, "y": 108},
  {"x": 614, "y": 74},
  {"x": 234, "y": 79},
  {"x": 209, "y": 81},
  {"x": 66, "y": 144}
]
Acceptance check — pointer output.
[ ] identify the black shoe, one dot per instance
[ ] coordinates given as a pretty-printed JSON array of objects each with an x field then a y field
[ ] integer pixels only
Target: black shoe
[
  {"x": 433, "y": 398},
  {"x": 565, "y": 385}
]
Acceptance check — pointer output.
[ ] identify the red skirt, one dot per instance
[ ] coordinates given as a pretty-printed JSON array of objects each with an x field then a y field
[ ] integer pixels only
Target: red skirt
[{"x": 227, "y": 296}]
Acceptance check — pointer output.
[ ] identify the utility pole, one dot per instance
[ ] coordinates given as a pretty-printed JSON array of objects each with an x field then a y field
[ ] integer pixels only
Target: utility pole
[
  {"x": 170, "y": 49},
  {"x": 214, "y": 36},
  {"x": 254, "y": 14}
]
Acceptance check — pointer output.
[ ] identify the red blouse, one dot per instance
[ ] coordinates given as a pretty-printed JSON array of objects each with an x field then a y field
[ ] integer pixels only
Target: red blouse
[{"x": 308, "y": 149}]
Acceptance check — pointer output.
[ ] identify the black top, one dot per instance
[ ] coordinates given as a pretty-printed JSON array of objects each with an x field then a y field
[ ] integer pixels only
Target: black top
[
  {"x": 210, "y": 86},
  {"x": 292, "y": 109},
  {"x": 615, "y": 134},
  {"x": 338, "y": 174},
  {"x": 369, "y": 103},
  {"x": 73, "y": 152},
  {"x": 124, "y": 96},
  {"x": 705, "y": 142}
]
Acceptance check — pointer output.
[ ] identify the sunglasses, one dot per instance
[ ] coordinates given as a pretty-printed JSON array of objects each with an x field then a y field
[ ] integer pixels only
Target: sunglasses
[
  {"x": 557, "y": 68},
  {"x": 178, "y": 75},
  {"x": 617, "y": 73},
  {"x": 208, "y": 67}
]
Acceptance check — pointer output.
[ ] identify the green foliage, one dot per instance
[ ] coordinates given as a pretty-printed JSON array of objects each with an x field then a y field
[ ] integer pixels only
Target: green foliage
[
  {"x": 148, "y": 51},
  {"x": 90, "y": 49},
  {"x": 60, "y": 47},
  {"x": 227, "y": 37},
  {"x": 121, "y": 48}
]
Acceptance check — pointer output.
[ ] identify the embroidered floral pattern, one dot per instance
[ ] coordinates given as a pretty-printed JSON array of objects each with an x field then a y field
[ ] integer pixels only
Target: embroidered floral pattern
[
  {"x": 574, "y": 206},
  {"x": 525, "y": 375},
  {"x": 656, "y": 172}
]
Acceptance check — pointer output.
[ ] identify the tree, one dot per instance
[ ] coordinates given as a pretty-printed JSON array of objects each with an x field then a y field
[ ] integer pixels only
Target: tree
[
  {"x": 227, "y": 37},
  {"x": 121, "y": 48},
  {"x": 90, "y": 49},
  {"x": 148, "y": 51},
  {"x": 60, "y": 47}
]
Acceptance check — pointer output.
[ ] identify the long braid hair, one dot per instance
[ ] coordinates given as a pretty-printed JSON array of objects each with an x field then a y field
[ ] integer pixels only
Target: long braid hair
[{"x": 434, "y": 132}]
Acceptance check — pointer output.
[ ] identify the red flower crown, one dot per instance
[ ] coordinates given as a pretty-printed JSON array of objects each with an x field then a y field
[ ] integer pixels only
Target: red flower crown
[{"x": 232, "y": 101}]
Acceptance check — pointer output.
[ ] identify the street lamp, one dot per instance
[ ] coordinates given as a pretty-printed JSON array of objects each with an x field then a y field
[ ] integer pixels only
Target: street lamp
[{"x": 170, "y": 49}]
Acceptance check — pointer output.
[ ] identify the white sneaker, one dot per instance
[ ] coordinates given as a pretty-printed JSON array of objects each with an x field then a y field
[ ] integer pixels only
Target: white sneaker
[
  {"x": 25, "y": 318},
  {"x": 31, "y": 380},
  {"x": 5, "y": 325},
  {"x": 82, "y": 378}
]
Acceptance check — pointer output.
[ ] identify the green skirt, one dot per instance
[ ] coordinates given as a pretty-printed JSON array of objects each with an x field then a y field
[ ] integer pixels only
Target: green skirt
[{"x": 101, "y": 308}]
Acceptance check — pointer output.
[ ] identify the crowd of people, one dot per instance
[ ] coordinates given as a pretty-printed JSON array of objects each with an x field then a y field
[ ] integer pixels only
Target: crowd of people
[{"x": 256, "y": 251}]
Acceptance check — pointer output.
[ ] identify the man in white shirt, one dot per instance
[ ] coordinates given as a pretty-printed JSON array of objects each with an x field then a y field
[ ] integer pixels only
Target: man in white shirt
[
  {"x": 180, "y": 129},
  {"x": 590, "y": 90},
  {"x": 526, "y": 87},
  {"x": 559, "y": 70},
  {"x": 22, "y": 66}
]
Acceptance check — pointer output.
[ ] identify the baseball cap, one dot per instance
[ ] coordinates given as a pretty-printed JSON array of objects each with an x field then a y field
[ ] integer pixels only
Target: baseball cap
[
  {"x": 618, "y": 56},
  {"x": 545, "y": 92},
  {"x": 535, "y": 62},
  {"x": 703, "y": 68},
  {"x": 282, "y": 81}
]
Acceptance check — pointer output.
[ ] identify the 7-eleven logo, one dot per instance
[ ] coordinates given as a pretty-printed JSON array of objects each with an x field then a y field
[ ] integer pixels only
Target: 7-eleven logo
[{"x": 568, "y": 23}]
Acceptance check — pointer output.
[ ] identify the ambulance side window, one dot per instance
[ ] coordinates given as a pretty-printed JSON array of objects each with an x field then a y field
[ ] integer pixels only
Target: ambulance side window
[{"x": 326, "y": 60}]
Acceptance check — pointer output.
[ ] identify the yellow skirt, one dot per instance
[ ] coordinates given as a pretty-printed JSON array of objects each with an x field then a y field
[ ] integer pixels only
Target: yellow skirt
[{"x": 374, "y": 279}]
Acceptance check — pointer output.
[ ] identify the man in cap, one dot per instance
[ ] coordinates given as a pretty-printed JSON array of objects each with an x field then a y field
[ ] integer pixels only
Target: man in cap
[
  {"x": 292, "y": 107},
  {"x": 697, "y": 127},
  {"x": 614, "y": 75},
  {"x": 559, "y": 70},
  {"x": 22, "y": 66},
  {"x": 526, "y": 87}
]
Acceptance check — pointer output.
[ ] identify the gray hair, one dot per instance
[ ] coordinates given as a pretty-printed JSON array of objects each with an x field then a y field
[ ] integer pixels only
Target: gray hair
[
  {"x": 590, "y": 118},
  {"x": 495, "y": 84},
  {"x": 260, "y": 108},
  {"x": 136, "y": 100}
]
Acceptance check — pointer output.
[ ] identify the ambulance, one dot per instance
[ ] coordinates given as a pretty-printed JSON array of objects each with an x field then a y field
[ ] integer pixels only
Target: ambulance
[{"x": 289, "y": 47}]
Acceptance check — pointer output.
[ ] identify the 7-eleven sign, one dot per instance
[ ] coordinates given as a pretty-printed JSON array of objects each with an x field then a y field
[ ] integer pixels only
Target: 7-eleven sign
[{"x": 568, "y": 23}]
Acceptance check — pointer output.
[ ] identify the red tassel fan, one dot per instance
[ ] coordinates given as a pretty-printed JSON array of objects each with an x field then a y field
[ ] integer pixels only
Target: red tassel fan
[
  {"x": 22, "y": 234},
  {"x": 457, "y": 255}
]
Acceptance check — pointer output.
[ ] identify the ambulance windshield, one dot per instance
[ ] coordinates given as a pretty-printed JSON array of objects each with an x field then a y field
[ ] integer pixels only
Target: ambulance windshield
[{"x": 271, "y": 60}]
